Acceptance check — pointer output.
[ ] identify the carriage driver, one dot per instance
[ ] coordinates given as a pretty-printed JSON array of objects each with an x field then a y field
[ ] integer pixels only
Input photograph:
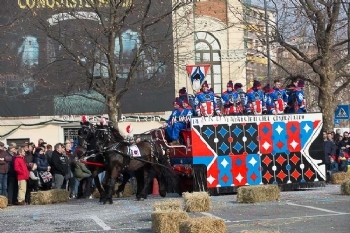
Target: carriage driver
[{"x": 173, "y": 126}]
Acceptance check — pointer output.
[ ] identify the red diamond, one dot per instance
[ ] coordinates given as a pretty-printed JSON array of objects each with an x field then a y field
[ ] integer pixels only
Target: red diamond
[
  {"x": 215, "y": 125},
  {"x": 280, "y": 160},
  {"x": 267, "y": 160},
  {"x": 225, "y": 178},
  {"x": 230, "y": 139},
  {"x": 295, "y": 159},
  {"x": 295, "y": 174},
  {"x": 253, "y": 177},
  {"x": 281, "y": 175},
  {"x": 309, "y": 173},
  {"x": 267, "y": 176},
  {"x": 280, "y": 144},
  {"x": 231, "y": 154}
]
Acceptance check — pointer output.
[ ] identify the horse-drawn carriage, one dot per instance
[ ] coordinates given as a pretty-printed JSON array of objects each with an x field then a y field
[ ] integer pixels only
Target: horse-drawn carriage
[{"x": 219, "y": 154}]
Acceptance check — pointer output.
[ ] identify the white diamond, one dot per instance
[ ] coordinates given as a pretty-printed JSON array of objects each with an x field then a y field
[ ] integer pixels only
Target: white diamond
[
  {"x": 239, "y": 177},
  {"x": 294, "y": 144},
  {"x": 210, "y": 179},
  {"x": 266, "y": 145},
  {"x": 307, "y": 128},
  {"x": 279, "y": 129},
  {"x": 224, "y": 163},
  {"x": 244, "y": 139},
  {"x": 216, "y": 140},
  {"x": 252, "y": 161}
]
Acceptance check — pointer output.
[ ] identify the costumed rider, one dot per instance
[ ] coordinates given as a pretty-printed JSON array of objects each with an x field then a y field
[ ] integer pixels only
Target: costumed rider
[
  {"x": 255, "y": 100},
  {"x": 296, "y": 99},
  {"x": 279, "y": 97},
  {"x": 242, "y": 95},
  {"x": 269, "y": 100},
  {"x": 173, "y": 125},
  {"x": 205, "y": 102},
  {"x": 183, "y": 95},
  {"x": 231, "y": 100}
]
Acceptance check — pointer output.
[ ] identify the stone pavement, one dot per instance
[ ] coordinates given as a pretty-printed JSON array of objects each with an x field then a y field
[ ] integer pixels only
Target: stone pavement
[{"x": 320, "y": 210}]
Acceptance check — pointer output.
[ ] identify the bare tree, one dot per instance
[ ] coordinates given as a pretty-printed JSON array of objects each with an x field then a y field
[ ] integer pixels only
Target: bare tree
[
  {"x": 101, "y": 49},
  {"x": 324, "y": 24}
]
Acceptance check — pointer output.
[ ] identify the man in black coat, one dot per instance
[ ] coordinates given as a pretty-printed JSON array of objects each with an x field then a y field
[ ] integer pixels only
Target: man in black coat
[
  {"x": 329, "y": 151},
  {"x": 59, "y": 166}
]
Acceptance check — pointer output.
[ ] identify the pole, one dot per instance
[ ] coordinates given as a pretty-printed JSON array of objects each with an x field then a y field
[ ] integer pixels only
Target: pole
[{"x": 267, "y": 44}]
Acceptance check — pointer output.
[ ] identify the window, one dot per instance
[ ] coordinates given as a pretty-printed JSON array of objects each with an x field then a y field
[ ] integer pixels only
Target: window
[
  {"x": 18, "y": 141},
  {"x": 70, "y": 133},
  {"x": 208, "y": 51}
]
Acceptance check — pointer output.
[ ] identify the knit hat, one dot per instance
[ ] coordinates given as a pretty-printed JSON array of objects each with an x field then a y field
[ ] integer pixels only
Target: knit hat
[
  {"x": 301, "y": 83},
  {"x": 182, "y": 91},
  {"x": 266, "y": 88},
  {"x": 205, "y": 84},
  {"x": 256, "y": 84},
  {"x": 230, "y": 84},
  {"x": 185, "y": 102},
  {"x": 177, "y": 102},
  {"x": 237, "y": 86}
]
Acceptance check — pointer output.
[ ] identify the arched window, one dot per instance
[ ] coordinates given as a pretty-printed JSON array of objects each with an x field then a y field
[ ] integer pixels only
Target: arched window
[{"x": 207, "y": 51}]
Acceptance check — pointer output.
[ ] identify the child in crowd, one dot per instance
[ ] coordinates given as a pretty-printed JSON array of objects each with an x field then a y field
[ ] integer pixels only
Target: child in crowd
[
  {"x": 33, "y": 182},
  {"x": 333, "y": 168}
]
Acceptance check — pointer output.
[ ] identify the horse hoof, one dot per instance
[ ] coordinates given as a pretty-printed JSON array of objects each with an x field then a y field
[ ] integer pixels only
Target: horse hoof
[
  {"x": 140, "y": 199},
  {"x": 119, "y": 194}
]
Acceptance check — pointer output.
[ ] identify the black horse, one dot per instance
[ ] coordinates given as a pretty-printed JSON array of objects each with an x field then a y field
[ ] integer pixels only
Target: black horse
[
  {"x": 119, "y": 156},
  {"x": 95, "y": 160}
]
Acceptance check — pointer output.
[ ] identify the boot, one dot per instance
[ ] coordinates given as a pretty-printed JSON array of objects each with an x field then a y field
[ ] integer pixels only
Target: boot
[{"x": 175, "y": 142}]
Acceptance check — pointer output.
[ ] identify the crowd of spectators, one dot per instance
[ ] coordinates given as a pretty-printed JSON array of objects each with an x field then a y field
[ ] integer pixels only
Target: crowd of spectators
[
  {"x": 336, "y": 152},
  {"x": 29, "y": 168}
]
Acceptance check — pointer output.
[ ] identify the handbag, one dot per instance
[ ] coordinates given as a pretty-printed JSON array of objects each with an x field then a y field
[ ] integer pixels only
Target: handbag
[{"x": 45, "y": 176}]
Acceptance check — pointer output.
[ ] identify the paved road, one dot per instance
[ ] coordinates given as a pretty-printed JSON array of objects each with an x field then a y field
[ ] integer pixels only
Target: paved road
[{"x": 321, "y": 210}]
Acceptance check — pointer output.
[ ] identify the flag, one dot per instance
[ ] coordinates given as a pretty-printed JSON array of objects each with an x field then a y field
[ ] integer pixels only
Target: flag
[{"x": 197, "y": 75}]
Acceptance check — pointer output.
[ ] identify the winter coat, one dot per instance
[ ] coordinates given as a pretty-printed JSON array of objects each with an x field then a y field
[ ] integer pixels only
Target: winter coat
[
  {"x": 11, "y": 168},
  {"x": 21, "y": 168},
  {"x": 59, "y": 164},
  {"x": 41, "y": 162},
  {"x": 81, "y": 171},
  {"x": 329, "y": 150},
  {"x": 5, "y": 159}
]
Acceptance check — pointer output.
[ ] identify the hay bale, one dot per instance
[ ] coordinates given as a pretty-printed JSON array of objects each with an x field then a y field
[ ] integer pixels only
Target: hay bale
[
  {"x": 196, "y": 201},
  {"x": 202, "y": 225},
  {"x": 169, "y": 205},
  {"x": 49, "y": 197},
  {"x": 340, "y": 177},
  {"x": 258, "y": 193},
  {"x": 3, "y": 202},
  {"x": 345, "y": 188},
  {"x": 128, "y": 190},
  {"x": 167, "y": 221}
]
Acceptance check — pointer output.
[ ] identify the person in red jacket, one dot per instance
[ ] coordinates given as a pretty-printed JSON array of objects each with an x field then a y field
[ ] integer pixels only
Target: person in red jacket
[{"x": 22, "y": 175}]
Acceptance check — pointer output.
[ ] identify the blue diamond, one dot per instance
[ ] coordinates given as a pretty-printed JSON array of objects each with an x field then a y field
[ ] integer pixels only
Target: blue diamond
[
  {"x": 208, "y": 132},
  {"x": 237, "y": 131},
  {"x": 252, "y": 146},
  {"x": 293, "y": 128},
  {"x": 238, "y": 162},
  {"x": 223, "y": 131},
  {"x": 251, "y": 130},
  {"x": 237, "y": 146},
  {"x": 288, "y": 167},
  {"x": 223, "y": 147},
  {"x": 265, "y": 130}
]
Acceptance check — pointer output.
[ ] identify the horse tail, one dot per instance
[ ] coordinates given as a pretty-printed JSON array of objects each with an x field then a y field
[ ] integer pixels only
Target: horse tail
[{"x": 169, "y": 177}]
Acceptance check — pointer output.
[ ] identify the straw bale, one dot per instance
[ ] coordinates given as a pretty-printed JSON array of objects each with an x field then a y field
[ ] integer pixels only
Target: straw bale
[
  {"x": 171, "y": 205},
  {"x": 345, "y": 187},
  {"x": 258, "y": 193},
  {"x": 202, "y": 225},
  {"x": 3, "y": 202},
  {"x": 196, "y": 201},
  {"x": 49, "y": 197},
  {"x": 340, "y": 177},
  {"x": 167, "y": 221},
  {"x": 128, "y": 190}
]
